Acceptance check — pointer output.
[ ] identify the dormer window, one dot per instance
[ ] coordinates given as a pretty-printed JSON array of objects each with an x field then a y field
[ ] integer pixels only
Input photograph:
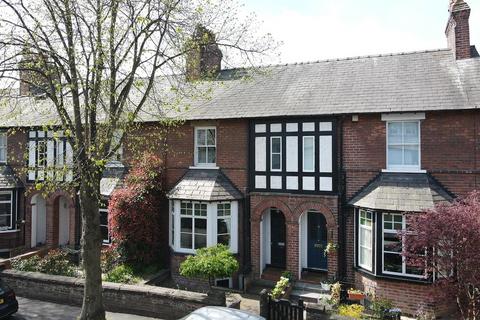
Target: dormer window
[
  {"x": 3, "y": 147},
  {"x": 205, "y": 147}
]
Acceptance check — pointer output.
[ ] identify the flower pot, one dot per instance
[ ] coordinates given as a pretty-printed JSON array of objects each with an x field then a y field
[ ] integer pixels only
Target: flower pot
[
  {"x": 326, "y": 286},
  {"x": 356, "y": 296}
]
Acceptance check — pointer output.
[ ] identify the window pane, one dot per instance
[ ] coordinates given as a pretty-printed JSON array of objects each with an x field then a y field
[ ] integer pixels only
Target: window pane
[
  {"x": 223, "y": 226},
  {"x": 393, "y": 262},
  {"x": 186, "y": 240},
  {"x": 186, "y": 225},
  {"x": 200, "y": 241},
  {"x": 211, "y": 155},
  {"x": 415, "y": 270},
  {"x": 103, "y": 218},
  {"x": 411, "y": 155},
  {"x": 224, "y": 239},
  {"x": 276, "y": 162},
  {"x": 202, "y": 155},
  {"x": 5, "y": 197},
  {"x": 391, "y": 242},
  {"x": 201, "y": 226},
  {"x": 3, "y": 156},
  {"x": 410, "y": 132},
  {"x": 200, "y": 209},
  {"x": 394, "y": 132},
  {"x": 5, "y": 221},
  {"x": 308, "y": 153},
  {"x": 5, "y": 208},
  {"x": 105, "y": 236},
  {"x": 201, "y": 137},
  {"x": 211, "y": 137},
  {"x": 276, "y": 146},
  {"x": 365, "y": 237},
  {"x": 395, "y": 155},
  {"x": 365, "y": 258}
]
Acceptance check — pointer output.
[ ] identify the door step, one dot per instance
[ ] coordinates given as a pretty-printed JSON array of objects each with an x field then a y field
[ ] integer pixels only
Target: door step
[{"x": 309, "y": 292}]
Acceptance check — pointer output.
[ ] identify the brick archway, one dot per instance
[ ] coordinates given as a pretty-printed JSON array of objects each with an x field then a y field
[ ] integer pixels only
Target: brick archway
[
  {"x": 260, "y": 209},
  {"x": 53, "y": 204},
  {"x": 332, "y": 234}
]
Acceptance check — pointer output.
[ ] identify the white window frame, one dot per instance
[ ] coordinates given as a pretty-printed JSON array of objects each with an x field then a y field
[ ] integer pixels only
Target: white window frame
[
  {"x": 212, "y": 218},
  {"x": 275, "y": 153},
  {"x": 391, "y": 231},
  {"x": 4, "y": 137},
  {"x": 10, "y": 227},
  {"x": 403, "y": 167},
  {"x": 224, "y": 217},
  {"x": 193, "y": 217},
  {"x": 371, "y": 229},
  {"x": 109, "y": 241},
  {"x": 201, "y": 164},
  {"x": 303, "y": 153}
]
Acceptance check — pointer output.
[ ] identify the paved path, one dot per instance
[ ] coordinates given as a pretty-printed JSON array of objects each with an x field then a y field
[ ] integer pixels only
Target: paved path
[{"x": 40, "y": 310}]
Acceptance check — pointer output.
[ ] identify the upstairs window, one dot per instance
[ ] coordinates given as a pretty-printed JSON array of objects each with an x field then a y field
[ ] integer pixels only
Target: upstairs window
[
  {"x": 205, "y": 147},
  {"x": 403, "y": 145},
  {"x": 3, "y": 147},
  {"x": 276, "y": 154}
]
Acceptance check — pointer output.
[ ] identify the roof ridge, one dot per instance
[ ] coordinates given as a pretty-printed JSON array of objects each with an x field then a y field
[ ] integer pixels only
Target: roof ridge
[{"x": 339, "y": 59}]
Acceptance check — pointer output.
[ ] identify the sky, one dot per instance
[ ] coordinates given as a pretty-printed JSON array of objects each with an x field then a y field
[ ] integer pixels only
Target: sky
[{"x": 323, "y": 29}]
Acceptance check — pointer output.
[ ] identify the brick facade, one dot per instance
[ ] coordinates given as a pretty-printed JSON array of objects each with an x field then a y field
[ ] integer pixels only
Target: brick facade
[
  {"x": 292, "y": 207},
  {"x": 449, "y": 146}
]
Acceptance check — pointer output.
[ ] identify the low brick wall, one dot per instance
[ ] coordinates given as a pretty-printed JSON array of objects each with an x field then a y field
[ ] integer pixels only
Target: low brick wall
[{"x": 149, "y": 301}]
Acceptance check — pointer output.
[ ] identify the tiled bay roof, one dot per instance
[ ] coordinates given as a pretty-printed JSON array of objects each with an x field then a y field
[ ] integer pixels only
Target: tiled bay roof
[
  {"x": 8, "y": 180},
  {"x": 405, "y": 82},
  {"x": 112, "y": 178},
  {"x": 204, "y": 185},
  {"x": 406, "y": 192}
]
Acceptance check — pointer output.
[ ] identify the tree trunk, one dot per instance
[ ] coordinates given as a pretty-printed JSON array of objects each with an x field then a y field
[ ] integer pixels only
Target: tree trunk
[{"x": 92, "y": 308}]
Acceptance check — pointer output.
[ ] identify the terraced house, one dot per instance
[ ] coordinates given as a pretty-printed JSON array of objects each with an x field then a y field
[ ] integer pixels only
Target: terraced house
[{"x": 309, "y": 167}]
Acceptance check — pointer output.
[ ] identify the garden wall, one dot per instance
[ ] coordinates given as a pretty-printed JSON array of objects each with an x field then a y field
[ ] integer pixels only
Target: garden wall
[{"x": 148, "y": 301}]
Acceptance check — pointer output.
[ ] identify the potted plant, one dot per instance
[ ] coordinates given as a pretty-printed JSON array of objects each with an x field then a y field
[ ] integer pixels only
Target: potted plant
[
  {"x": 327, "y": 285},
  {"x": 331, "y": 247},
  {"x": 355, "y": 295},
  {"x": 282, "y": 289}
]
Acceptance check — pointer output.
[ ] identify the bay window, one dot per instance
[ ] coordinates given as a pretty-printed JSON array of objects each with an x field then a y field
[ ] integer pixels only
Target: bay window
[
  {"x": 393, "y": 261},
  {"x": 380, "y": 245},
  {"x": 105, "y": 230},
  {"x": 205, "y": 147},
  {"x": 403, "y": 145},
  {"x": 195, "y": 225},
  {"x": 365, "y": 239},
  {"x": 6, "y": 210}
]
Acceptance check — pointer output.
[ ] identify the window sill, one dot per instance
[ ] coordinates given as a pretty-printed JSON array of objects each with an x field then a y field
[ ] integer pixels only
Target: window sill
[
  {"x": 367, "y": 273},
  {"x": 204, "y": 167},
  {"x": 10, "y": 231},
  {"x": 403, "y": 171}
]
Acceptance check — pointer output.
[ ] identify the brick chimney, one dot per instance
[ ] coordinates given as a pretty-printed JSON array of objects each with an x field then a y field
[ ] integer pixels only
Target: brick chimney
[
  {"x": 33, "y": 83},
  {"x": 204, "y": 60},
  {"x": 458, "y": 29}
]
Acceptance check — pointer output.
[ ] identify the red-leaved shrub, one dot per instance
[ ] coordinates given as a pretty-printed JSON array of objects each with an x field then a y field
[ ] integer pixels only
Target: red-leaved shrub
[
  {"x": 450, "y": 237},
  {"x": 134, "y": 212}
]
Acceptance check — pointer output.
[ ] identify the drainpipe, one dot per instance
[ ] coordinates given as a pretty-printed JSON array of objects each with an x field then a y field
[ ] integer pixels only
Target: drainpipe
[
  {"x": 342, "y": 261},
  {"x": 247, "y": 261}
]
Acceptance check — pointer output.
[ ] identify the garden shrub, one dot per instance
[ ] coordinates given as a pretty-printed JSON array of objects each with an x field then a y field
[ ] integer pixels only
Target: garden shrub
[
  {"x": 121, "y": 274},
  {"x": 210, "y": 263},
  {"x": 381, "y": 307},
  {"x": 56, "y": 262},
  {"x": 354, "y": 311},
  {"x": 109, "y": 259},
  {"x": 28, "y": 264},
  {"x": 134, "y": 212}
]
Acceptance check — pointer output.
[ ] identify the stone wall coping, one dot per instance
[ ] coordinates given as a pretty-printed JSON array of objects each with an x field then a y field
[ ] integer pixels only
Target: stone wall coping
[{"x": 173, "y": 294}]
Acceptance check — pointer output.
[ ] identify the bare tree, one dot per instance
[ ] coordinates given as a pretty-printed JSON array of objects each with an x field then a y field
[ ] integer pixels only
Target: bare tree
[{"x": 97, "y": 63}]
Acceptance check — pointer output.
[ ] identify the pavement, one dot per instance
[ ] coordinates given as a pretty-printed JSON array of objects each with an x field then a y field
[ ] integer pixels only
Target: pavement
[{"x": 41, "y": 310}]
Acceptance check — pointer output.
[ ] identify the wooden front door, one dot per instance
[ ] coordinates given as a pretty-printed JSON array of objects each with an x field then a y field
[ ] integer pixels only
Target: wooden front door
[
  {"x": 278, "y": 247},
  {"x": 317, "y": 241}
]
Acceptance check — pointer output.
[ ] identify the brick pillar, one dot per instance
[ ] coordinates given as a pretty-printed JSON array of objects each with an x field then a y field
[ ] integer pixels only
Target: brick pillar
[
  {"x": 255, "y": 245},
  {"x": 292, "y": 247},
  {"x": 51, "y": 224}
]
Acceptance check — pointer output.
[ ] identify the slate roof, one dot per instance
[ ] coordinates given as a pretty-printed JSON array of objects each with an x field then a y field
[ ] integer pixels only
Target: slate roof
[
  {"x": 406, "y": 192},
  {"x": 112, "y": 178},
  {"x": 8, "y": 180},
  {"x": 405, "y": 82},
  {"x": 204, "y": 185}
]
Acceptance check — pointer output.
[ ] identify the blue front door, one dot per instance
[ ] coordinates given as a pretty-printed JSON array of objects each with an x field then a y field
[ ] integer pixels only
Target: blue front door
[{"x": 317, "y": 241}]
